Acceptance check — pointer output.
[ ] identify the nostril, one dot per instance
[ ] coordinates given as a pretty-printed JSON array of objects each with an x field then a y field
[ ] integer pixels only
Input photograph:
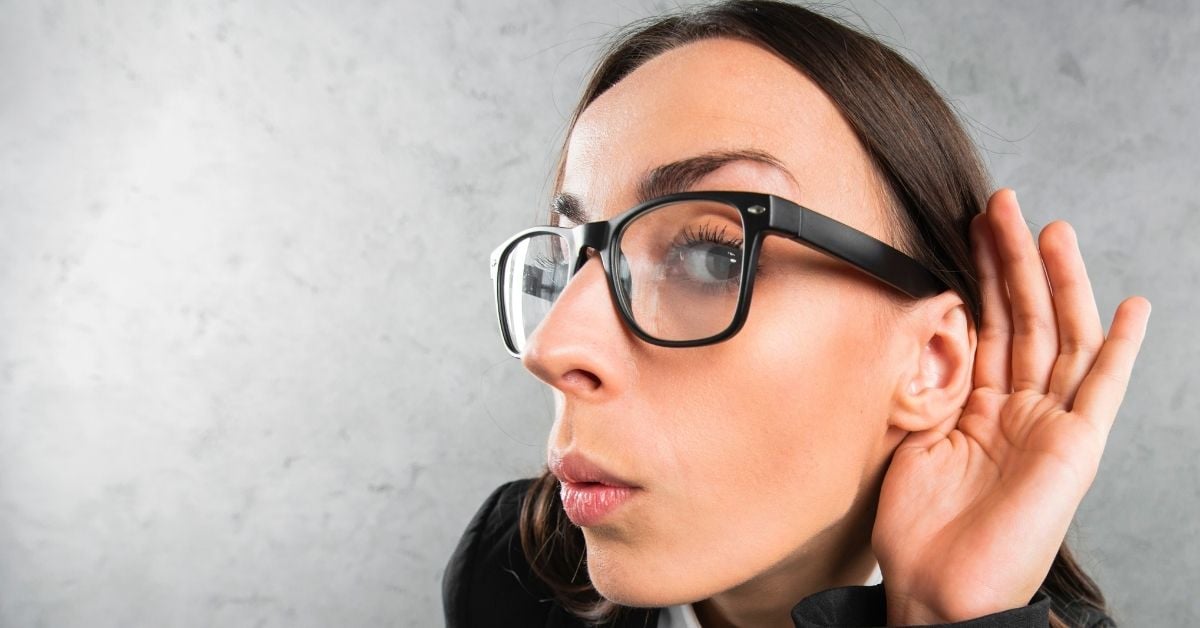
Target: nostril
[{"x": 579, "y": 377}]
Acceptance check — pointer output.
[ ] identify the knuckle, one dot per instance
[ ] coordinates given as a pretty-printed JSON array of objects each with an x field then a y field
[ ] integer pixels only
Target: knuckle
[
  {"x": 1079, "y": 346},
  {"x": 1116, "y": 380},
  {"x": 1033, "y": 324},
  {"x": 1018, "y": 257}
]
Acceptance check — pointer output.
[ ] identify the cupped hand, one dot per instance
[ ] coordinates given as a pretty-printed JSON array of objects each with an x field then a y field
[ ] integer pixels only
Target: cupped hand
[{"x": 971, "y": 514}]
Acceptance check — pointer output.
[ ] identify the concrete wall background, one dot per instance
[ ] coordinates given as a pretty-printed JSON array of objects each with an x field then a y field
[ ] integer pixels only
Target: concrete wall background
[{"x": 249, "y": 374}]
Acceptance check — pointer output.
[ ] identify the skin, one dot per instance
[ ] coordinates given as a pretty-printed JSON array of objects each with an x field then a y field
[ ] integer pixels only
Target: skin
[{"x": 765, "y": 462}]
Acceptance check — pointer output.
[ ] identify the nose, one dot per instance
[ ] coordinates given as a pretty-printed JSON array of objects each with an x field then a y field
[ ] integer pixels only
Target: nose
[{"x": 581, "y": 347}]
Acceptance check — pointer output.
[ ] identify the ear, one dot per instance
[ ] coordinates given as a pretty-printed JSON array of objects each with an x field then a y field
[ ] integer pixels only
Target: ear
[{"x": 938, "y": 365}]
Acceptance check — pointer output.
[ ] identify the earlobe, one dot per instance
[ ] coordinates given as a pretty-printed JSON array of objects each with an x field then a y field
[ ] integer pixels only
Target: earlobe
[{"x": 938, "y": 370}]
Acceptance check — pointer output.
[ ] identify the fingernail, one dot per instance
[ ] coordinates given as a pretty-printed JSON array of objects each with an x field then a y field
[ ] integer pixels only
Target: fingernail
[{"x": 1018, "y": 204}]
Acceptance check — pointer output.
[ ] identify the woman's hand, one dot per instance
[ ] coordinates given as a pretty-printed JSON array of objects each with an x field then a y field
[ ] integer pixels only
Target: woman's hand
[{"x": 970, "y": 519}]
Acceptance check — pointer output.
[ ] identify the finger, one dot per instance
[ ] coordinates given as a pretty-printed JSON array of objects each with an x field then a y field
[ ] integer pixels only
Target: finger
[
  {"x": 1102, "y": 390},
  {"x": 1035, "y": 333},
  {"x": 1080, "y": 333},
  {"x": 995, "y": 331}
]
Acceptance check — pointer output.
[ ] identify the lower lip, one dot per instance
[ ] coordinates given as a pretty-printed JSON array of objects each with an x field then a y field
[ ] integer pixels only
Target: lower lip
[{"x": 588, "y": 503}]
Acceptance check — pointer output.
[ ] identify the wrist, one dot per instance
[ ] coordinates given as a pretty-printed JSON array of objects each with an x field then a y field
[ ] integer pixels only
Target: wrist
[
  {"x": 903, "y": 610},
  {"x": 908, "y": 610}
]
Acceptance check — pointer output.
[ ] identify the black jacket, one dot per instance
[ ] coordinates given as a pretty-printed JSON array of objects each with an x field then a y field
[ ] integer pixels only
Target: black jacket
[{"x": 489, "y": 583}]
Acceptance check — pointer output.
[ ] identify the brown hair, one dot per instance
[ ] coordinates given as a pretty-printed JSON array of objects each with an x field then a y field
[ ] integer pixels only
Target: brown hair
[{"x": 932, "y": 178}]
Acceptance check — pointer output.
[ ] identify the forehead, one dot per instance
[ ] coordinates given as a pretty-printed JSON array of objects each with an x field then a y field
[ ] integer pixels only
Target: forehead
[{"x": 720, "y": 95}]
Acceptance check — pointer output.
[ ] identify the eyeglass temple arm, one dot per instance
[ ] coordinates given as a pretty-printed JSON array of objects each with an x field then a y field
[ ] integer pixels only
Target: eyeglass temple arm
[{"x": 844, "y": 242}]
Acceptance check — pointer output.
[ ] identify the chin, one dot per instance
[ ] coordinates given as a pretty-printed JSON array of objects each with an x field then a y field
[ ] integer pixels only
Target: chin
[
  {"x": 631, "y": 584},
  {"x": 629, "y": 594}
]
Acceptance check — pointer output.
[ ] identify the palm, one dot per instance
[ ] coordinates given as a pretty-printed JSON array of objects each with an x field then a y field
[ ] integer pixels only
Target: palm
[{"x": 971, "y": 514}]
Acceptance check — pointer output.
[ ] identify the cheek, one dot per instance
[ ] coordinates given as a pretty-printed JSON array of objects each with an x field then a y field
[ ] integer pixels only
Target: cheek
[
  {"x": 759, "y": 443},
  {"x": 808, "y": 409},
  {"x": 783, "y": 429},
  {"x": 812, "y": 407},
  {"x": 814, "y": 343}
]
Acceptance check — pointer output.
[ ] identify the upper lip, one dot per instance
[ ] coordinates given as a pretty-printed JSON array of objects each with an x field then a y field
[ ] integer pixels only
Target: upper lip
[{"x": 576, "y": 467}]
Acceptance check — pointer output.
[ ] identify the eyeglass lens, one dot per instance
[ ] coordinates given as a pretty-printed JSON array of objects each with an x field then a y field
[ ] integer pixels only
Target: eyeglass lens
[{"x": 679, "y": 272}]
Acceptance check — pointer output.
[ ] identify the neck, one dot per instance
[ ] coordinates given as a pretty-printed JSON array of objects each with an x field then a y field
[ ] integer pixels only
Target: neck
[{"x": 839, "y": 556}]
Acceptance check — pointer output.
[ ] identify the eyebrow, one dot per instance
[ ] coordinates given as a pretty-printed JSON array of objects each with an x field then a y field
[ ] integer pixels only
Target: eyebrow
[{"x": 669, "y": 178}]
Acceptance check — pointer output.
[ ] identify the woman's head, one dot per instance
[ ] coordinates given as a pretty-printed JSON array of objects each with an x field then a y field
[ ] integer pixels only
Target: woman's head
[
  {"x": 782, "y": 427},
  {"x": 758, "y": 458}
]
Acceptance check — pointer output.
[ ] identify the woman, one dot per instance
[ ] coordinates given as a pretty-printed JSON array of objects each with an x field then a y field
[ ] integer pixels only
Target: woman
[{"x": 910, "y": 396}]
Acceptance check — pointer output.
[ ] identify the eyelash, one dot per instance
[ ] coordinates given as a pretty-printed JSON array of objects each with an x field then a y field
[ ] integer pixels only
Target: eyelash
[
  {"x": 706, "y": 233},
  {"x": 714, "y": 235},
  {"x": 546, "y": 263}
]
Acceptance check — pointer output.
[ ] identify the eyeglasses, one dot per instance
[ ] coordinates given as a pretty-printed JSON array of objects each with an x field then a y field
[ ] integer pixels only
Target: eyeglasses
[{"x": 680, "y": 268}]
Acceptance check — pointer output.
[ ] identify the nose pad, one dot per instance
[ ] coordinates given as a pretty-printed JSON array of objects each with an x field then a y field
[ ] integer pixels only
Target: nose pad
[{"x": 586, "y": 254}]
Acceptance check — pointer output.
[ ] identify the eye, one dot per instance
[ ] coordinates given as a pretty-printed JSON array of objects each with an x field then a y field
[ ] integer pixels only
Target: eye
[
  {"x": 709, "y": 262},
  {"x": 706, "y": 257}
]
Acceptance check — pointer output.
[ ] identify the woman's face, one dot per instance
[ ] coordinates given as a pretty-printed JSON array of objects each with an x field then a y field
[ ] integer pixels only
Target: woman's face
[{"x": 763, "y": 451}]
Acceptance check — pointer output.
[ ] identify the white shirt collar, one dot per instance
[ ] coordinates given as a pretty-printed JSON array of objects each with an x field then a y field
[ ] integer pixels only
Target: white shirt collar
[{"x": 684, "y": 616}]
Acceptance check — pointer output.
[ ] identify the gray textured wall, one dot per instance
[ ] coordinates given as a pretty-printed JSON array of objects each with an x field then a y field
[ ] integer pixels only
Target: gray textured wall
[{"x": 248, "y": 368}]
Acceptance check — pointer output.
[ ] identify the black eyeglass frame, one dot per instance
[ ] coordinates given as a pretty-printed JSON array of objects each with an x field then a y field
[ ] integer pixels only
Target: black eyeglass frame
[{"x": 761, "y": 214}]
